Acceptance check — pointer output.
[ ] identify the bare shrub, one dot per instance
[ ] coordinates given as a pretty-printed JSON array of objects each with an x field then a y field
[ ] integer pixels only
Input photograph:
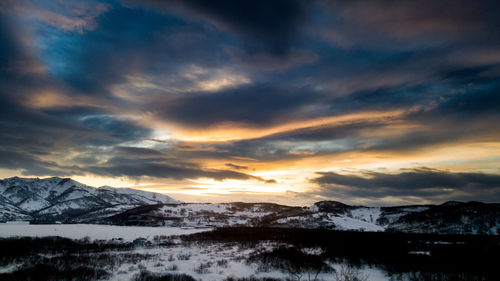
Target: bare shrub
[
  {"x": 203, "y": 268},
  {"x": 172, "y": 267},
  {"x": 348, "y": 273},
  {"x": 183, "y": 257},
  {"x": 222, "y": 263},
  {"x": 148, "y": 276}
]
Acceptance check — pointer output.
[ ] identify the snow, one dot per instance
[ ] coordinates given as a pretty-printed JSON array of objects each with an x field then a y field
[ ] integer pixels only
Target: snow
[
  {"x": 425, "y": 253},
  {"x": 232, "y": 260},
  {"x": 9, "y": 268},
  {"x": 313, "y": 251},
  {"x": 33, "y": 204},
  {"x": 140, "y": 195},
  {"x": 371, "y": 273},
  {"x": 347, "y": 223},
  {"x": 222, "y": 260},
  {"x": 18, "y": 222},
  {"x": 292, "y": 219},
  {"x": 93, "y": 231},
  {"x": 370, "y": 215},
  {"x": 235, "y": 265},
  {"x": 226, "y": 208},
  {"x": 57, "y": 196},
  {"x": 224, "y": 214}
]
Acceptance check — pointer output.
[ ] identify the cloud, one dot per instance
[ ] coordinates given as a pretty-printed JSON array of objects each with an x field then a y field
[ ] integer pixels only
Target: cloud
[
  {"x": 154, "y": 167},
  {"x": 116, "y": 128},
  {"x": 422, "y": 182},
  {"x": 137, "y": 151},
  {"x": 32, "y": 165},
  {"x": 268, "y": 62},
  {"x": 146, "y": 46},
  {"x": 261, "y": 25},
  {"x": 165, "y": 89},
  {"x": 102, "y": 128},
  {"x": 67, "y": 15},
  {"x": 253, "y": 105},
  {"x": 236, "y": 167},
  {"x": 409, "y": 23}
]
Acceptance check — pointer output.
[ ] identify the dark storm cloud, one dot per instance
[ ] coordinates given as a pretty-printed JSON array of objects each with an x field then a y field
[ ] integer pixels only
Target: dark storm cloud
[
  {"x": 411, "y": 24},
  {"x": 255, "y": 105},
  {"x": 310, "y": 141},
  {"x": 137, "y": 151},
  {"x": 477, "y": 112},
  {"x": 263, "y": 26},
  {"x": 129, "y": 42},
  {"x": 475, "y": 108},
  {"x": 29, "y": 135},
  {"x": 119, "y": 129},
  {"x": 463, "y": 97},
  {"x": 422, "y": 182},
  {"x": 295, "y": 144},
  {"x": 73, "y": 113},
  {"x": 23, "y": 128},
  {"x": 100, "y": 122},
  {"x": 471, "y": 100},
  {"x": 11, "y": 52},
  {"x": 103, "y": 128},
  {"x": 19, "y": 66},
  {"x": 31, "y": 165},
  {"x": 472, "y": 104},
  {"x": 151, "y": 167},
  {"x": 477, "y": 99},
  {"x": 412, "y": 179},
  {"x": 29, "y": 129},
  {"x": 450, "y": 94}
]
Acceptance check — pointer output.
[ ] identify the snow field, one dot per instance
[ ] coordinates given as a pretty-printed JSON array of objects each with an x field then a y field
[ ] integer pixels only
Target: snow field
[
  {"x": 216, "y": 262},
  {"x": 93, "y": 231},
  {"x": 203, "y": 261}
]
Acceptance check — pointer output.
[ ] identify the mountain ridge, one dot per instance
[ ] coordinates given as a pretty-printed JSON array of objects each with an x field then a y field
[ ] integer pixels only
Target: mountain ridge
[
  {"x": 64, "y": 200},
  {"x": 57, "y": 198}
]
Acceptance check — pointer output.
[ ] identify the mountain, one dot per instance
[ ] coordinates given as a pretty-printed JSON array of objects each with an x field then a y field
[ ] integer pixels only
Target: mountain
[
  {"x": 453, "y": 217},
  {"x": 64, "y": 199},
  {"x": 449, "y": 218}
]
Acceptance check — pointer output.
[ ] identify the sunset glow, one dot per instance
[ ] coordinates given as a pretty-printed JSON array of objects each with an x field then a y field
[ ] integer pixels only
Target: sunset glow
[{"x": 315, "y": 100}]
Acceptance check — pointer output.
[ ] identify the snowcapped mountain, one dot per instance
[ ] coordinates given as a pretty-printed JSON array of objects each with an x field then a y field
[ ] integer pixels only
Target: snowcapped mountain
[{"x": 64, "y": 199}]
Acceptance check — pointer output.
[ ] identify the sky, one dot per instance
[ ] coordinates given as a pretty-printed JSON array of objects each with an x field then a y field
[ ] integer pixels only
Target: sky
[{"x": 373, "y": 102}]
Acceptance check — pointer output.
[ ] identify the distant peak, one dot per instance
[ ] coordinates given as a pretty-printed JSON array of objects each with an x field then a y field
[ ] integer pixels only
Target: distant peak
[
  {"x": 452, "y": 203},
  {"x": 331, "y": 203},
  {"x": 332, "y": 206}
]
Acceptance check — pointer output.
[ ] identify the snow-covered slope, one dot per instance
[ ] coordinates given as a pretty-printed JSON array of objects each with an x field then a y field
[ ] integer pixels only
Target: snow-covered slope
[
  {"x": 63, "y": 199},
  {"x": 452, "y": 217},
  {"x": 201, "y": 214},
  {"x": 464, "y": 218}
]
